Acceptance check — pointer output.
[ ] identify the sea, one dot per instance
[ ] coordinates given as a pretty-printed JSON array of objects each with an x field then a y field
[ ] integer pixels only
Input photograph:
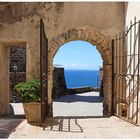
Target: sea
[{"x": 81, "y": 78}]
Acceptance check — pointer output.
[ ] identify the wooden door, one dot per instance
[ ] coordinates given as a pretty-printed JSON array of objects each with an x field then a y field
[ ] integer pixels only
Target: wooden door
[{"x": 43, "y": 71}]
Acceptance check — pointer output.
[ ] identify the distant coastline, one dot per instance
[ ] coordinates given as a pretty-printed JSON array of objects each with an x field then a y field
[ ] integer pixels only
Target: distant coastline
[{"x": 81, "y": 69}]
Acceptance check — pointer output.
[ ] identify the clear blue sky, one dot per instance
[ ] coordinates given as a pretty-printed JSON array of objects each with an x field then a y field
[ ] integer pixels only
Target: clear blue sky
[{"x": 78, "y": 55}]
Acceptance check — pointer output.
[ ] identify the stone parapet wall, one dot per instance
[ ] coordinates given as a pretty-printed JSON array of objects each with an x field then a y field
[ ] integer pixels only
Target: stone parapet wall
[
  {"x": 79, "y": 90},
  {"x": 59, "y": 83}
]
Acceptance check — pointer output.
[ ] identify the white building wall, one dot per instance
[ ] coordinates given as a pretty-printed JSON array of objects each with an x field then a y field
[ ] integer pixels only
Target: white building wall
[{"x": 132, "y": 11}]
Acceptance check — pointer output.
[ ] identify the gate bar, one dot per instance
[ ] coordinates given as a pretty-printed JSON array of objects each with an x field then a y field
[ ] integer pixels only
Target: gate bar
[
  {"x": 134, "y": 47},
  {"x": 130, "y": 70},
  {"x": 123, "y": 65},
  {"x": 119, "y": 91},
  {"x": 116, "y": 81},
  {"x": 112, "y": 111},
  {"x": 138, "y": 73}
]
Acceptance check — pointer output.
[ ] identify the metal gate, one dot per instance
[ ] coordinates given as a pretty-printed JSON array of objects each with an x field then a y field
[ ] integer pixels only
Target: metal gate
[
  {"x": 43, "y": 71},
  {"x": 125, "y": 73}
]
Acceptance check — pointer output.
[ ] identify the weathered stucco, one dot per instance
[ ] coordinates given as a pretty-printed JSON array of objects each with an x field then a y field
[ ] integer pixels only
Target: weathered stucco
[
  {"x": 19, "y": 22},
  {"x": 4, "y": 90}
]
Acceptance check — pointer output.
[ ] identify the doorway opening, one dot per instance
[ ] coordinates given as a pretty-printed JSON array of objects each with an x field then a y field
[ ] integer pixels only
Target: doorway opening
[
  {"x": 78, "y": 66},
  {"x": 17, "y": 74},
  {"x": 103, "y": 45}
]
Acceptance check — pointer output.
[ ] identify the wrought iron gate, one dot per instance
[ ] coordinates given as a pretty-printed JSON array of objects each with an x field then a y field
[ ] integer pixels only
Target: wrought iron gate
[
  {"x": 126, "y": 74},
  {"x": 43, "y": 71}
]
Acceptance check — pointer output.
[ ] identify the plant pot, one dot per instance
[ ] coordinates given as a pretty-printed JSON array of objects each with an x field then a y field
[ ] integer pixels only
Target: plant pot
[{"x": 32, "y": 111}]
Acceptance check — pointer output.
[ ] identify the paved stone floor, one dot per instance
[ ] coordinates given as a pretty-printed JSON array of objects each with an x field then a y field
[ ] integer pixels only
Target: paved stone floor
[
  {"x": 74, "y": 124},
  {"x": 79, "y": 128},
  {"x": 85, "y": 104}
]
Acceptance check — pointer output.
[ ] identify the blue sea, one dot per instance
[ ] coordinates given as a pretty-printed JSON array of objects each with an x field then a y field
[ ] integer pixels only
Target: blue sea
[{"x": 80, "y": 78}]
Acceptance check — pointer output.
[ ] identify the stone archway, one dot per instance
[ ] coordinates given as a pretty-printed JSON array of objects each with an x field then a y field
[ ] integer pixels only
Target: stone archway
[{"x": 103, "y": 44}]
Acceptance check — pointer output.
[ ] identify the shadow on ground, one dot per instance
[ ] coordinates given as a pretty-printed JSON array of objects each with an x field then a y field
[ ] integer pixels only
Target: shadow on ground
[
  {"x": 78, "y": 98},
  {"x": 63, "y": 125},
  {"x": 8, "y": 123},
  {"x": 7, "y": 126},
  {"x": 66, "y": 124}
]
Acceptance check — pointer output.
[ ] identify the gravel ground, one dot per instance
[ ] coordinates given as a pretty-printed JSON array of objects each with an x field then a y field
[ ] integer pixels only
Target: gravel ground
[{"x": 78, "y": 124}]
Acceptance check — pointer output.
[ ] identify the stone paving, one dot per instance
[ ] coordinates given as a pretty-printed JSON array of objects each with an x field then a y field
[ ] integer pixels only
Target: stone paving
[
  {"x": 111, "y": 127},
  {"x": 85, "y": 104},
  {"x": 74, "y": 125}
]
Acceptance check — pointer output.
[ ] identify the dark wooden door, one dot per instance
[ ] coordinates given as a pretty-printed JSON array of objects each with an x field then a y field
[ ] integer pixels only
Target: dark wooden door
[{"x": 43, "y": 71}]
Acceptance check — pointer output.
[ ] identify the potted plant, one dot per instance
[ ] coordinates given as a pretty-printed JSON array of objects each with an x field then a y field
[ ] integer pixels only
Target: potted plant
[{"x": 30, "y": 97}]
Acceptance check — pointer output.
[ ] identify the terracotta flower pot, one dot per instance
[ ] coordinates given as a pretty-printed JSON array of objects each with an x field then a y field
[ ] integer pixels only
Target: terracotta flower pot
[{"x": 32, "y": 111}]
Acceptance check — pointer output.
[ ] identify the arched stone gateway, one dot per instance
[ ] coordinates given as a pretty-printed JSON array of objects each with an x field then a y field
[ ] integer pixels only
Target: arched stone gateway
[{"x": 103, "y": 44}]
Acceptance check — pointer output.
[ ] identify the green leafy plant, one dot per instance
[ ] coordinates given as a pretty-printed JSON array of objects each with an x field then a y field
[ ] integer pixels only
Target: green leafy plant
[{"x": 30, "y": 91}]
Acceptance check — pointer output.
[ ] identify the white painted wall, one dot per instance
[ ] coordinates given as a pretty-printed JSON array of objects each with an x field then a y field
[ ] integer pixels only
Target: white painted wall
[{"x": 132, "y": 10}]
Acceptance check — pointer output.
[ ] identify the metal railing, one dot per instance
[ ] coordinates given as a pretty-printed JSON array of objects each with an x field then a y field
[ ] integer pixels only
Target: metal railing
[{"x": 125, "y": 69}]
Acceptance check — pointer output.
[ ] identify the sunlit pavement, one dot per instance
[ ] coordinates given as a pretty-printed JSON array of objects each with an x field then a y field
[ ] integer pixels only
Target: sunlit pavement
[
  {"x": 74, "y": 124},
  {"x": 79, "y": 128},
  {"x": 85, "y": 104}
]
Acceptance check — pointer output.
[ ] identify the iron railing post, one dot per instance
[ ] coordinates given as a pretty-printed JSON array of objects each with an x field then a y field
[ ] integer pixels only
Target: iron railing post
[{"x": 112, "y": 107}]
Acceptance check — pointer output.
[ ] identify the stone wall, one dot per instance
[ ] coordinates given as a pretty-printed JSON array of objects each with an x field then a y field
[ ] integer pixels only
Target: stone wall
[
  {"x": 101, "y": 81},
  {"x": 72, "y": 91},
  {"x": 59, "y": 83},
  {"x": 95, "y": 22}
]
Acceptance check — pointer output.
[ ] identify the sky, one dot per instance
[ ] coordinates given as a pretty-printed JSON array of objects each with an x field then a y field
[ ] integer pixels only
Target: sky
[{"x": 78, "y": 55}]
